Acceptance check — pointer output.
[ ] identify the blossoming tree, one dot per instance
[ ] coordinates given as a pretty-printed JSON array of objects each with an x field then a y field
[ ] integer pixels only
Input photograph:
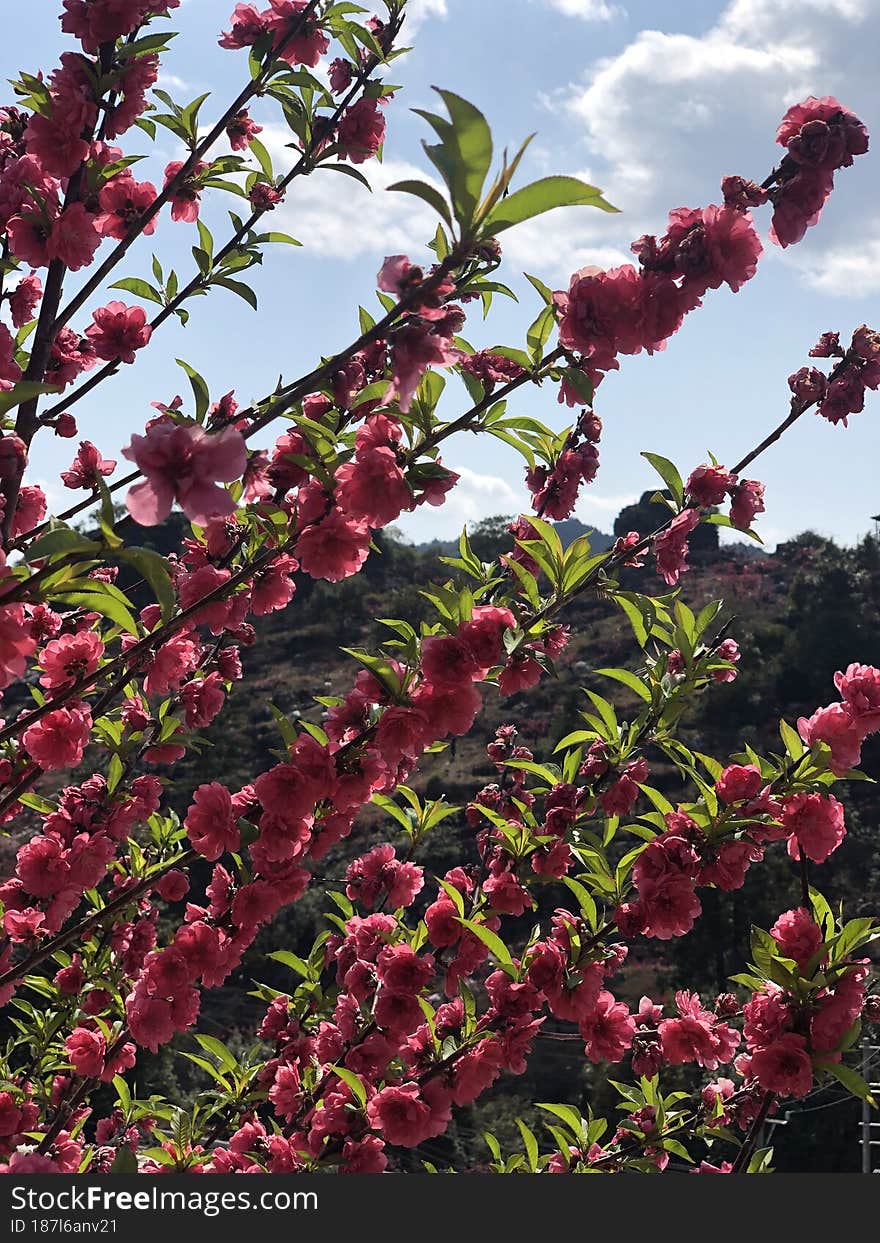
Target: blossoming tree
[{"x": 422, "y": 991}]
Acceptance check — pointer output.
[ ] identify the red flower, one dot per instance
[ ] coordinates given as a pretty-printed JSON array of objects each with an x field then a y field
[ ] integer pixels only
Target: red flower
[
  {"x": 361, "y": 131},
  {"x": 123, "y": 202},
  {"x": 74, "y": 238},
  {"x": 187, "y": 465},
  {"x": 86, "y": 467},
  {"x": 118, "y": 332},
  {"x": 186, "y": 194},
  {"x": 210, "y": 821}
]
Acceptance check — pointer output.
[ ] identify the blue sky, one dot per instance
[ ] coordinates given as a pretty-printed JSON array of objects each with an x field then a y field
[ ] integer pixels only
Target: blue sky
[{"x": 651, "y": 100}]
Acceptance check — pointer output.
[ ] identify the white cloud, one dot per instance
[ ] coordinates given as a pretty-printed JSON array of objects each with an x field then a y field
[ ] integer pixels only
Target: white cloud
[
  {"x": 475, "y": 496},
  {"x": 671, "y": 113},
  {"x": 592, "y": 507},
  {"x": 420, "y": 11},
  {"x": 172, "y": 82},
  {"x": 335, "y": 217},
  {"x": 589, "y": 10},
  {"x": 561, "y": 243},
  {"x": 850, "y": 270}
]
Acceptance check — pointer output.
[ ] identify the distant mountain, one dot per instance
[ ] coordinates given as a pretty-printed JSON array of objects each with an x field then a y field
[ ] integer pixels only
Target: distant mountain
[
  {"x": 569, "y": 530},
  {"x": 572, "y": 528}
]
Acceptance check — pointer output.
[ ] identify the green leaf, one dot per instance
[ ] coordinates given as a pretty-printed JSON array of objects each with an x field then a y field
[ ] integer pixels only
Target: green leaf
[
  {"x": 453, "y": 894},
  {"x": 544, "y": 290},
  {"x": 349, "y": 1078},
  {"x": 428, "y": 194},
  {"x": 543, "y": 196},
  {"x": 463, "y": 155},
  {"x": 152, "y": 566},
  {"x": 140, "y": 289},
  {"x": 531, "y": 1144},
  {"x": 125, "y": 1161},
  {"x": 851, "y": 1080},
  {"x": 490, "y": 939},
  {"x": 289, "y": 959},
  {"x": 822, "y": 912},
  {"x": 539, "y": 333},
  {"x": 211, "y": 1045},
  {"x": 608, "y": 715},
  {"x": 567, "y": 1114},
  {"x": 58, "y": 541},
  {"x": 668, "y": 472},
  {"x": 582, "y": 384},
  {"x": 102, "y": 602},
  {"x": 791, "y": 740},
  {"x": 42, "y": 805},
  {"x": 25, "y": 390},
  {"x": 629, "y": 679},
  {"x": 263, "y": 158},
  {"x": 199, "y": 387},
  {"x": 237, "y": 287}
]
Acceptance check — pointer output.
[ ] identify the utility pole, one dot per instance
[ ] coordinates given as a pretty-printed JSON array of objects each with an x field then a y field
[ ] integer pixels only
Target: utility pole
[{"x": 867, "y": 1125}]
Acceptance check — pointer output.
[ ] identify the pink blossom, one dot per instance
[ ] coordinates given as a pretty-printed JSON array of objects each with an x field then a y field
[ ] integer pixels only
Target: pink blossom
[
  {"x": 74, "y": 238},
  {"x": 247, "y": 26},
  {"x": 402, "y": 1116},
  {"x": 334, "y": 548},
  {"x": 739, "y": 782},
  {"x": 42, "y": 866},
  {"x": 123, "y": 201},
  {"x": 607, "y": 1032},
  {"x": 713, "y": 246},
  {"x": 184, "y": 464},
  {"x": 59, "y": 738},
  {"x": 840, "y": 730},
  {"x": 341, "y": 74},
  {"x": 415, "y": 348},
  {"x": 171, "y": 664},
  {"x": 25, "y": 299},
  {"x": 186, "y": 192},
  {"x": 202, "y": 700},
  {"x": 307, "y": 45},
  {"x": 797, "y": 935},
  {"x": 118, "y": 332},
  {"x": 602, "y": 314},
  {"x": 17, "y": 643},
  {"x": 521, "y": 673},
  {"x": 30, "y": 509},
  {"x": 815, "y": 823},
  {"x": 86, "y": 1050},
  {"x": 451, "y": 709},
  {"x": 668, "y": 908},
  {"x": 708, "y": 485},
  {"x": 10, "y": 373},
  {"x": 696, "y": 1035},
  {"x": 70, "y": 657},
  {"x": 821, "y": 133},
  {"x": 373, "y": 488},
  {"x": 671, "y": 545},
  {"x": 210, "y": 822},
  {"x": 798, "y": 203},
  {"x": 448, "y": 660},
  {"x": 747, "y": 500},
  {"x": 783, "y": 1067},
  {"x": 361, "y": 131},
  {"x": 241, "y": 129},
  {"x": 86, "y": 467},
  {"x": 28, "y": 236},
  {"x": 859, "y": 688},
  {"x": 732, "y": 861}
]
